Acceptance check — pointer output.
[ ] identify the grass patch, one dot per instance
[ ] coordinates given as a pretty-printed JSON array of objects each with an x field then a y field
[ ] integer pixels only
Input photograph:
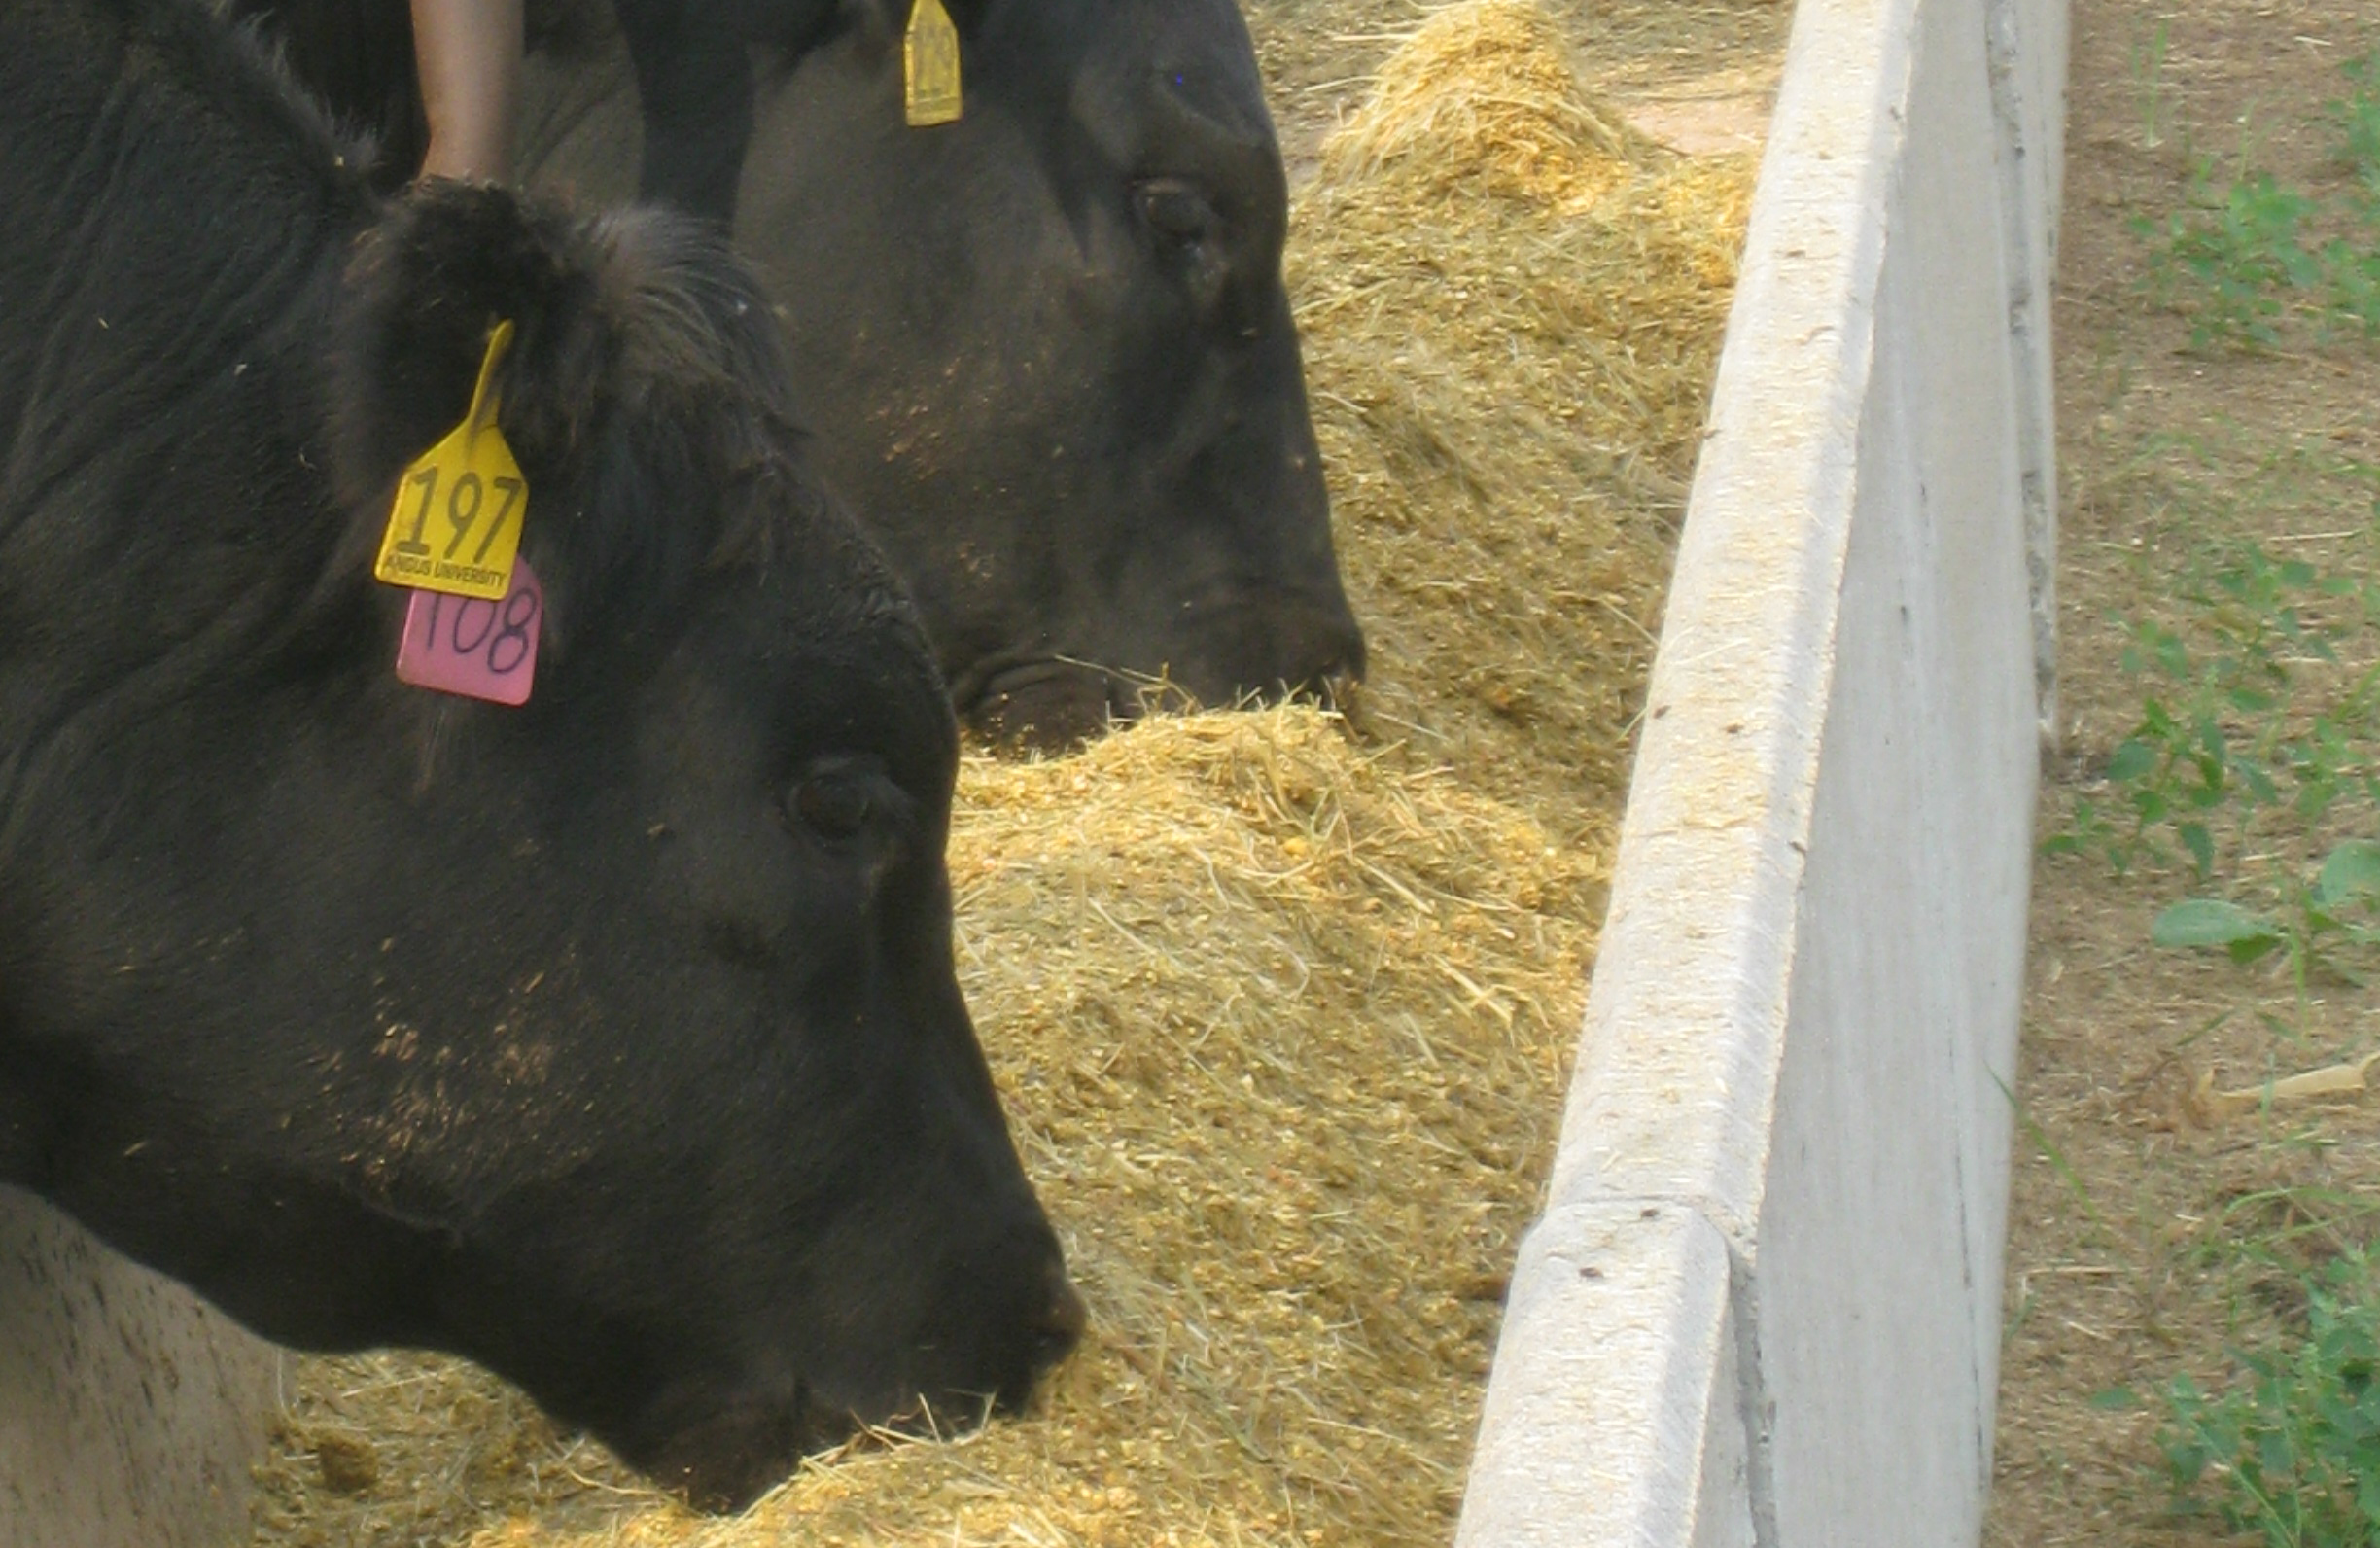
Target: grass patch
[
  {"x": 2262, "y": 693},
  {"x": 2288, "y": 1450},
  {"x": 2195, "y": 1040},
  {"x": 2254, "y": 261}
]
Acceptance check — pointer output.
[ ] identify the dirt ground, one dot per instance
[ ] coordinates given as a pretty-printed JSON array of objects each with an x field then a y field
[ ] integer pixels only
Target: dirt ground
[{"x": 2122, "y": 1270}]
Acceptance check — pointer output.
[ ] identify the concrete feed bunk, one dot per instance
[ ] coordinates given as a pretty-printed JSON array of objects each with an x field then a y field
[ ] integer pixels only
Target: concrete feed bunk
[{"x": 1764, "y": 1303}]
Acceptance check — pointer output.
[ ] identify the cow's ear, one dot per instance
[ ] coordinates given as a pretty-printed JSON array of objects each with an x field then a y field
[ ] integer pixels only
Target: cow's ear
[
  {"x": 644, "y": 394},
  {"x": 425, "y": 287}
]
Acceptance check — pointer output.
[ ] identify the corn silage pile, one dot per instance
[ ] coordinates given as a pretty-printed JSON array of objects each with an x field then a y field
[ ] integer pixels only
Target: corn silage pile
[
  {"x": 1511, "y": 307},
  {"x": 1280, "y": 1007}
]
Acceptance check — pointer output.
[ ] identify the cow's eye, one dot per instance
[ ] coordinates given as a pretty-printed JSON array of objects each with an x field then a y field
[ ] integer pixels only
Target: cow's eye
[
  {"x": 1177, "y": 211},
  {"x": 1185, "y": 226},
  {"x": 833, "y": 803}
]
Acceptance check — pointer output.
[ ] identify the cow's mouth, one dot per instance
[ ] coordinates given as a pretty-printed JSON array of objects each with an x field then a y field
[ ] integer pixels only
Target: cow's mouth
[
  {"x": 1052, "y": 703},
  {"x": 723, "y": 1450},
  {"x": 742, "y": 1447},
  {"x": 1055, "y": 703},
  {"x": 741, "y": 1450},
  {"x": 737, "y": 1449}
]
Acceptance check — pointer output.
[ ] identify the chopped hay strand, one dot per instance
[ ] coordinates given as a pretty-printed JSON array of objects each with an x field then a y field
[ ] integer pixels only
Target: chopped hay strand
[
  {"x": 1482, "y": 98},
  {"x": 1280, "y": 1007}
]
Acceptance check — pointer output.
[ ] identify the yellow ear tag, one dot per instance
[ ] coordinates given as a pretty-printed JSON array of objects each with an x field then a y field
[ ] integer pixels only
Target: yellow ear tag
[
  {"x": 456, "y": 523},
  {"x": 930, "y": 65}
]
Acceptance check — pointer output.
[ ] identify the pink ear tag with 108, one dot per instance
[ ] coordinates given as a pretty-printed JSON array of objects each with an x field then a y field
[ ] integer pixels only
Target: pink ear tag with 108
[{"x": 473, "y": 647}]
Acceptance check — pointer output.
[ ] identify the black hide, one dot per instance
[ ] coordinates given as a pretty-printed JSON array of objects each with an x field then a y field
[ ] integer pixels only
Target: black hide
[{"x": 613, "y": 1041}]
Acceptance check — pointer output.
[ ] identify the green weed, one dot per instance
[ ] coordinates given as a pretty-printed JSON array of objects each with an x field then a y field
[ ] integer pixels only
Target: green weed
[
  {"x": 2289, "y": 1450},
  {"x": 2247, "y": 255},
  {"x": 2359, "y": 122},
  {"x": 2224, "y": 733},
  {"x": 2285, "y": 1229},
  {"x": 2243, "y": 244},
  {"x": 2313, "y": 924},
  {"x": 2150, "y": 87}
]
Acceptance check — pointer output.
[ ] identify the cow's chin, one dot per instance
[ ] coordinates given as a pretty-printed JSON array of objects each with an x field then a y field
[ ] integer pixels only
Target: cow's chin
[
  {"x": 725, "y": 1453},
  {"x": 1232, "y": 651},
  {"x": 733, "y": 1450},
  {"x": 1049, "y": 706}
]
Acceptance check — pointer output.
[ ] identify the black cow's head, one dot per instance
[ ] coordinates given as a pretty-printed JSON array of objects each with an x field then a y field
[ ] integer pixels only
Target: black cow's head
[
  {"x": 613, "y": 1041},
  {"x": 1048, "y": 351}
]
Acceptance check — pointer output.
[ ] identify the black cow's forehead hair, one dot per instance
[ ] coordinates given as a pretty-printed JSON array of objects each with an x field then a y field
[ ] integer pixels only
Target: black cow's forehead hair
[
  {"x": 695, "y": 323},
  {"x": 644, "y": 395}
]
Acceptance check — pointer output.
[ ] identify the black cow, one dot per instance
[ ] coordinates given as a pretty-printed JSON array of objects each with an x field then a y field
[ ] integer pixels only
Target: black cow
[
  {"x": 1046, "y": 350},
  {"x": 614, "y": 1040}
]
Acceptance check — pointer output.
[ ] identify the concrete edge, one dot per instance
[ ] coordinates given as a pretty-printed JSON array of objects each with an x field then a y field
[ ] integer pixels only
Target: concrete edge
[
  {"x": 1685, "y": 1018},
  {"x": 1646, "y": 1425},
  {"x": 1618, "y": 1321},
  {"x": 2029, "y": 157}
]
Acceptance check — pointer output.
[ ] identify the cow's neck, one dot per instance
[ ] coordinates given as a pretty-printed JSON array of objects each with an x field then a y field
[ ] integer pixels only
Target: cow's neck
[{"x": 172, "y": 219}]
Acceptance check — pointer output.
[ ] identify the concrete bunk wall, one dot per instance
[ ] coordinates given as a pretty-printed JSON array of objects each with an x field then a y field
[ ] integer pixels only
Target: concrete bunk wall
[
  {"x": 1762, "y": 1306},
  {"x": 129, "y": 1412}
]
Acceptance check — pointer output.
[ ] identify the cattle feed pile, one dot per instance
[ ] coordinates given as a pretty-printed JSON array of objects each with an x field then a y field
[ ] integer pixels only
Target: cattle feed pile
[{"x": 1280, "y": 1006}]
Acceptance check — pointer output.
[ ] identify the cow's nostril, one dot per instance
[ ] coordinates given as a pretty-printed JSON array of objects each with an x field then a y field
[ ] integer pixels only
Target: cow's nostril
[
  {"x": 1063, "y": 1316},
  {"x": 1336, "y": 687}
]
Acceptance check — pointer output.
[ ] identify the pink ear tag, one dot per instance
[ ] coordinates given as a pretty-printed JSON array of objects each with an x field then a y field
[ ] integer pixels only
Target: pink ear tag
[{"x": 470, "y": 646}]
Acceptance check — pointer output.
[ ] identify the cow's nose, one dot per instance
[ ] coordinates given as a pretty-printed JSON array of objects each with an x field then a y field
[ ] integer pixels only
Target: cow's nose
[
  {"x": 1062, "y": 1313},
  {"x": 1328, "y": 652}
]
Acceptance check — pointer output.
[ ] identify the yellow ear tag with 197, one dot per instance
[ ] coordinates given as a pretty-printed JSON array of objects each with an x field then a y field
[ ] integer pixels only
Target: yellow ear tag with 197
[
  {"x": 456, "y": 523},
  {"x": 929, "y": 67}
]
